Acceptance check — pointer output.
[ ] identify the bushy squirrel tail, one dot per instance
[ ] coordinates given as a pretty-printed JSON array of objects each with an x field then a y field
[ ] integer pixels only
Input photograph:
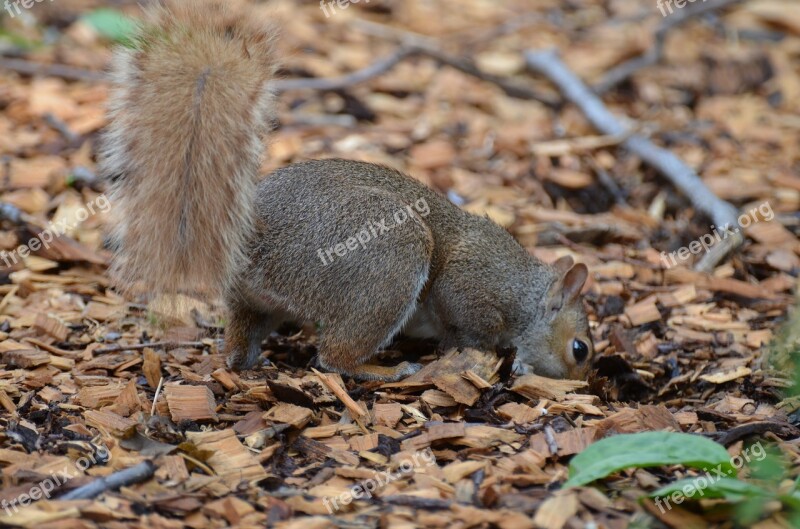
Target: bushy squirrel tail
[{"x": 188, "y": 110}]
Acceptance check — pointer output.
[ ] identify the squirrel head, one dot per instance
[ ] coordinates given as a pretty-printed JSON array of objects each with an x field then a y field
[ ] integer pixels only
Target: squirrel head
[{"x": 558, "y": 343}]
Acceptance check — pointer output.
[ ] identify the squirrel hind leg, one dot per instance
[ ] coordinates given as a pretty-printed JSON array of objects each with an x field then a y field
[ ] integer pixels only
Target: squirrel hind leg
[
  {"x": 346, "y": 347},
  {"x": 385, "y": 373},
  {"x": 341, "y": 359},
  {"x": 348, "y": 343},
  {"x": 247, "y": 328}
]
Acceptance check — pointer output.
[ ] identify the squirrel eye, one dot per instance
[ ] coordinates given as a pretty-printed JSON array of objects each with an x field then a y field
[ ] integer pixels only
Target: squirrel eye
[{"x": 579, "y": 350}]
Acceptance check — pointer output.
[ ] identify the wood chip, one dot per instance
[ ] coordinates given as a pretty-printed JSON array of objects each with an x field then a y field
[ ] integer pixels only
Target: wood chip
[
  {"x": 536, "y": 387},
  {"x": 336, "y": 388},
  {"x": 387, "y": 414},
  {"x": 107, "y": 421},
  {"x": 727, "y": 376},
  {"x": 519, "y": 413},
  {"x": 643, "y": 312},
  {"x": 286, "y": 413},
  {"x": 190, "y": 403},
  {"x": 25, "y": 358},
  {"x": 231, "y": 461},
  {"x": 52, "y": 327},
  {"x": 151, "y": 367},
  {"x": 556, "y": 511}
]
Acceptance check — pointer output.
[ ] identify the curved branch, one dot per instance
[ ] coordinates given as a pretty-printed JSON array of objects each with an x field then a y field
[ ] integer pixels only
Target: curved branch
[
  {"x": 622, "y": 72},
  {"x": 682, "y": 176}
]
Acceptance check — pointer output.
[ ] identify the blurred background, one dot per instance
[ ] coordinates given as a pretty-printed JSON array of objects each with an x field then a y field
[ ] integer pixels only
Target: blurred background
[
  {"x": 440, "y": 90},
  {"x": 722, "y": 93}
]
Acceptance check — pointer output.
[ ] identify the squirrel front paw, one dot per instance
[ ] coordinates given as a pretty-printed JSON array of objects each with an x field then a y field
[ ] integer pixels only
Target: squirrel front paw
[
  {"x": 241, "y": 361},
  {"x": 520, "y": 368},
  {"x": 406, "y": 369}
]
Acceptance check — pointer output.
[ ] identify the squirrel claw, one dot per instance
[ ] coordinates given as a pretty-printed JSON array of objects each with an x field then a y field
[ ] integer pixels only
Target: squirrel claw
[
  {"x": 519, "y": 368},
  {"x": 237, "y": 363},
  {"x": 406, "y": 369}
]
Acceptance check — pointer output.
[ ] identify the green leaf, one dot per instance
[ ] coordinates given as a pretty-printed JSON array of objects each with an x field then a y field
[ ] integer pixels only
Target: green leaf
[
  {"x": 646, "y": 449},
  {"x": 732, "y": 490},
  {"x": 112, "y": 24},
  {"x": 751, "y": 510},
  {"x": 791, "y": 500}
]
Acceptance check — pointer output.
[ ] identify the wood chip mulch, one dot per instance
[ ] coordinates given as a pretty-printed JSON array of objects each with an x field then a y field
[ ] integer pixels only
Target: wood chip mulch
[{"x": 92, "y": 384}]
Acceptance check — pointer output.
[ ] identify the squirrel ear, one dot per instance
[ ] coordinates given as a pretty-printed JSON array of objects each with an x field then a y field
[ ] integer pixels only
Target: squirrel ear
[
  {"x": 574, "y": 281},
  {"x": 563, "y": 264},
  {"x": 566, "y": 289}
]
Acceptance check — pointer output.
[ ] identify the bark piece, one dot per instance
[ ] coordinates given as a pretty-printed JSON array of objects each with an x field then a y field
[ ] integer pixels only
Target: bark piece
[
  {"x": 286, "y": 413},
  {"x": 51, "y": 326},
  {"x": 190, "y": 403},
  {"x": 108, "y": 421},
  {"x": 536, "y": 387},
  {"x": 230, "y": 459},
  {"x": 25, "y": 358}
]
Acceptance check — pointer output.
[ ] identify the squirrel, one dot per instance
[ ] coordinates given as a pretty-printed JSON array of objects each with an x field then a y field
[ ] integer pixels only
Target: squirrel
[{"x": 189, "y": 107}]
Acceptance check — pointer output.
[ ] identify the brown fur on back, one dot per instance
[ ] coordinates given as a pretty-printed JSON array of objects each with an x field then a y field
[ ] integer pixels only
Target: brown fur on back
[{"x": 188, "y": 110}]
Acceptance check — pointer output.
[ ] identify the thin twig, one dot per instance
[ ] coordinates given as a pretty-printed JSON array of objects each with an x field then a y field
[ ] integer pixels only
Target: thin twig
[
  {"x": 757, "y": 428},
  {"x": 62, "y": 128},
  {"x": 468, "y": 67},
  {"x": 135, "y": 474},
  {"x": 428, "y": 47},
  {"x": 412, "y": 48},
  {"x": 722, "y": 213},
  {"x": 345, "y": 81},
  {"x": 355, "y": 408},
  {"x": 416, "y": 502},
  {"x": 652, "y": 56},
  {"x": 16, "y": 216},
  {"x": 322, "y": 120},
  {"x": 69, "y": 73},
  {"x": 74, "y": 355},
  {"x": 139, "y": 346},
  {"x": 550, "y": 439},
  {"x": 155, "y": 397},
  {"x": 199, "y": 464}
]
